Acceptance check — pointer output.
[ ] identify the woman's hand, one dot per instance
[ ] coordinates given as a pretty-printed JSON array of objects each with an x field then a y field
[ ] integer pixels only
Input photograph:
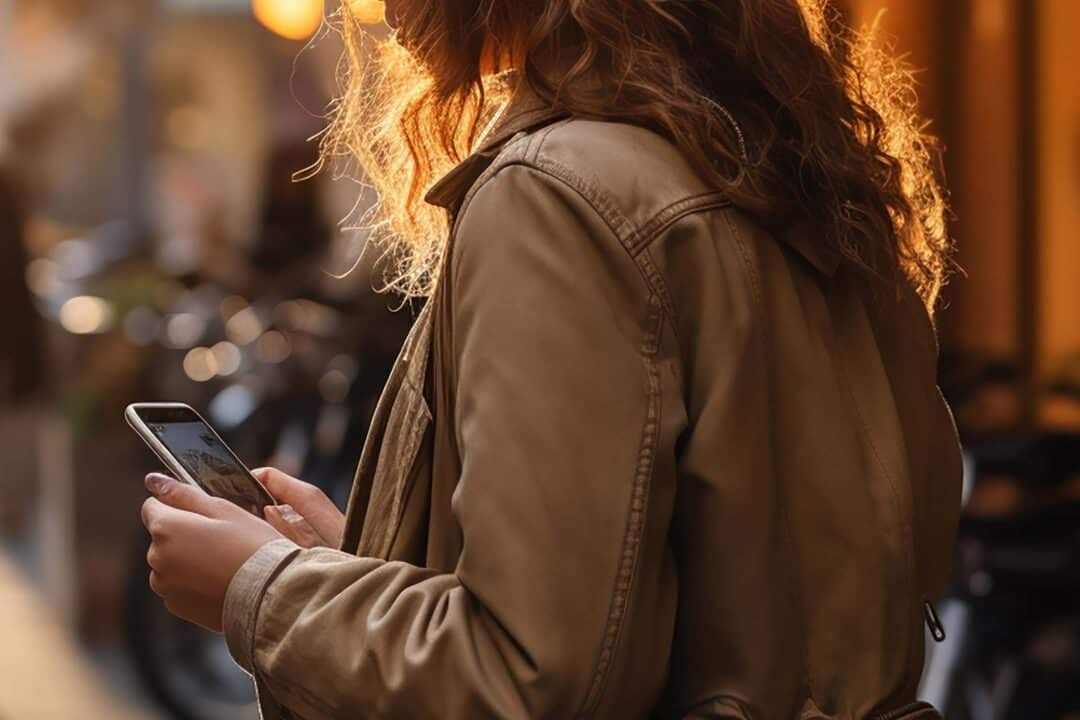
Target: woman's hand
[
  {"x": 198, "y": 544},
  {"x": 305, "y": 515}
]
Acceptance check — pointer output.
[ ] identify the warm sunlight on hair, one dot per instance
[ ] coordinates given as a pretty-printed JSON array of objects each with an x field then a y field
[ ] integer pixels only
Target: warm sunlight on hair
[
  {"x": 830, "y": 116},
  {"x": 367, "y": 12},
  {"x": 390, "y": 129}
]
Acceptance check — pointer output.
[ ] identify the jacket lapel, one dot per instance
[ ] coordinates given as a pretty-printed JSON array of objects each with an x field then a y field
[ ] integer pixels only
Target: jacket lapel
[{"x": 527, "y": 112}]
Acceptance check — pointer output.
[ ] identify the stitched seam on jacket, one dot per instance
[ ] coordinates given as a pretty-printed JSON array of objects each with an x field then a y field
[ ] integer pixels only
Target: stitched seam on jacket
[
  {"x": 600, "y": 201},
  {"x": 796, "y": 584},
  {"x": 636, "y": 240},
  {"x": 544, "y": 171},
  {"x": 609, "y": 213},
  {"x": 654, "y": 280},
  {"x": 514, "y": 152},
  {"x": 636, "y": 517},
  {"x": 542, "y": 137},
  {"x": 649, "y": 231},
  {"x": 661, "y": 222},
  {"x": 525, "y": 151}
]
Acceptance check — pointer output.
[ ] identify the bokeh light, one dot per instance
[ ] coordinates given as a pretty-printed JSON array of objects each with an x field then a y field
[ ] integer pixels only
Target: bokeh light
[
  {"x": 85, "y": 314},
  {"x": 244, "y": 327},
  {"x": 200, "y": 364},
  {"x": 334, "y": 386},
  {"x": 228, "y": 357},
  {"x": 273, "y": 347},
  {"x": 183, "y": 330},
  {"x": 292, "y": 19},
  {"x": 43, "y": 276},
  {"x": 231, "y": 305},
  {"x": 232, "y": 406}
]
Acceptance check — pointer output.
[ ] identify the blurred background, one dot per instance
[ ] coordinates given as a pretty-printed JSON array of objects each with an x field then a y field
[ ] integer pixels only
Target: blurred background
[{"x": 154, "y": 247}]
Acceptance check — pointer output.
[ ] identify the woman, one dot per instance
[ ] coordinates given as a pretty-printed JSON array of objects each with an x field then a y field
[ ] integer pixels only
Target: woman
[{"x": 665, "y": 440}]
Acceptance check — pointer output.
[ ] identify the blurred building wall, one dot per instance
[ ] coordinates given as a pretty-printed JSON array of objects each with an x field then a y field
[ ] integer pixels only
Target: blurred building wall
[
  {"x": 998, "y": 80},
  {"x": 964, "y": 54},
  {"x": 1059, "y": 194},
  {"x": 210, "y": 80},
  {"x": 985, "y": 182}
]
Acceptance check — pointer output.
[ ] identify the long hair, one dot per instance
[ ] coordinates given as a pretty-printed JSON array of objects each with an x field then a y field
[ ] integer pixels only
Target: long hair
[{"x": 828, "y": 117}]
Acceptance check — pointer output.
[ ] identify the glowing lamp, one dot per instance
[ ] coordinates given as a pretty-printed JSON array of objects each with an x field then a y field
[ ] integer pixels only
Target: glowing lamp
[{"x": 292, "y": 19}]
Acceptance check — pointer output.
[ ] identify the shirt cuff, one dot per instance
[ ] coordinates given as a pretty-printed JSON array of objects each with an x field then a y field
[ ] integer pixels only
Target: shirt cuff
[{"x": 245, "y": 594}]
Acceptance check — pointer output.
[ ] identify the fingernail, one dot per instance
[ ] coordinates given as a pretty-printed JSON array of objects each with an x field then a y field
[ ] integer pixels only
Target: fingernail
[
  {"x": 289, "y": 514},
  {"x": 156, "y": 482}
]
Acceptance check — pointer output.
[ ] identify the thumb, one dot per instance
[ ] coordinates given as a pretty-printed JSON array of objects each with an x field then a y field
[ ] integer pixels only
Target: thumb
[
  {"x": 181, "y": 496},
  {"x": 285, "y": 488}
]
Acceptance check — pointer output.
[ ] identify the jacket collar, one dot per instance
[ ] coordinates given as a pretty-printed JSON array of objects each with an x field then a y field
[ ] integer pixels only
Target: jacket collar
[
  {"x": 523, "y": 113},
  {"x": 528, "y": 112}
]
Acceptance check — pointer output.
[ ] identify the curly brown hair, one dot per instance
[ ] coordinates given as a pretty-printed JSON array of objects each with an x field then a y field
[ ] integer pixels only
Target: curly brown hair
[{"x": 828, "y": 116}]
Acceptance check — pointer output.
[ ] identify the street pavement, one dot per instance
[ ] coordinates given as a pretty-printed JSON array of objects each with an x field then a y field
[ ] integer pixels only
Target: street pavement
[{"x": 44, "y": 673}]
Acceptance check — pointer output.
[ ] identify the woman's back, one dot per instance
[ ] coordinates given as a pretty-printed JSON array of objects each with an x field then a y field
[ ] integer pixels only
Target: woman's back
[
  {"x": 764, "y": 487},
  {"x": 817, "y": 479}
]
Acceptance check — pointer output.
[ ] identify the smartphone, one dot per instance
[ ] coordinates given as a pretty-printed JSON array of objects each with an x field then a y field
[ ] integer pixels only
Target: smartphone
[{"x": 194, "y": 453}]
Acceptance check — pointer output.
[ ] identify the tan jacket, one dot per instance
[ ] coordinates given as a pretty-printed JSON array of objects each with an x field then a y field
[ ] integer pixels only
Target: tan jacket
[{"x": 637, "y": 459}]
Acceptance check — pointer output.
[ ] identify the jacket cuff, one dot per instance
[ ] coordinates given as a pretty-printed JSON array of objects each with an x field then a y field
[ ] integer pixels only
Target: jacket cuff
[{"x": 245, "y": 594}]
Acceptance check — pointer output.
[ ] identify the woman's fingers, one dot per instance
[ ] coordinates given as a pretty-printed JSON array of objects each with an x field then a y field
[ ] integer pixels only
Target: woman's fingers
[
  {"x": 292, "y": 525},
  {"x": 307, "y": 500},
  {"x": 182, "y": 495},
  {"x": 285, "y": 488}
]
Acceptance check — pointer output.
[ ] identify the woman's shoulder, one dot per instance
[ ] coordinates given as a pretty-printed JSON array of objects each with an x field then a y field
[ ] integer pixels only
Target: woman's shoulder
[{"x": 632, "y": 176}]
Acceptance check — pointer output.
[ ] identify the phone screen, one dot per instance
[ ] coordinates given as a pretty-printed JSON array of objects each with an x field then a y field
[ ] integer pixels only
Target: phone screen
[{"x": 207, "y": 459}]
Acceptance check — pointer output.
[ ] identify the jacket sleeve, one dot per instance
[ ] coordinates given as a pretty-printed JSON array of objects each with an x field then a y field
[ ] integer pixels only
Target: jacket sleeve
[{"x": 563, "y": 600}]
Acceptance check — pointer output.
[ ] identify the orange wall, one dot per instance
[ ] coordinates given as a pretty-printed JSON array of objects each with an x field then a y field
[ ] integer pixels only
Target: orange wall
[
  {"x": 1059, "y": 180},
  {"x": 1059, "y": 194},
  {"x": 980, "y": 313},
  {"x": 986, "y": 190}
]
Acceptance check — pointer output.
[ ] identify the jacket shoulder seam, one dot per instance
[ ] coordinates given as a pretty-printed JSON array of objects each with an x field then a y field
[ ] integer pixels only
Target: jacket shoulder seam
[
  {"x": 669, "y": 215},
  {"x": 514, "y": 161},
  {"x": 636, "y": 518},
  {"x": 637, "y": 511}
]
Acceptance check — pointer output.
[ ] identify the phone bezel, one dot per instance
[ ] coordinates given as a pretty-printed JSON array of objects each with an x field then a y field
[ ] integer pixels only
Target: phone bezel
[{"x": 131, "y": 414}]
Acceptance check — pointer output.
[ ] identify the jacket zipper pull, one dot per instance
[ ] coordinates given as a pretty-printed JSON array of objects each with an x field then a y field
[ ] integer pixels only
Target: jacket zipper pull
[{"x": 933, "y": 622}]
